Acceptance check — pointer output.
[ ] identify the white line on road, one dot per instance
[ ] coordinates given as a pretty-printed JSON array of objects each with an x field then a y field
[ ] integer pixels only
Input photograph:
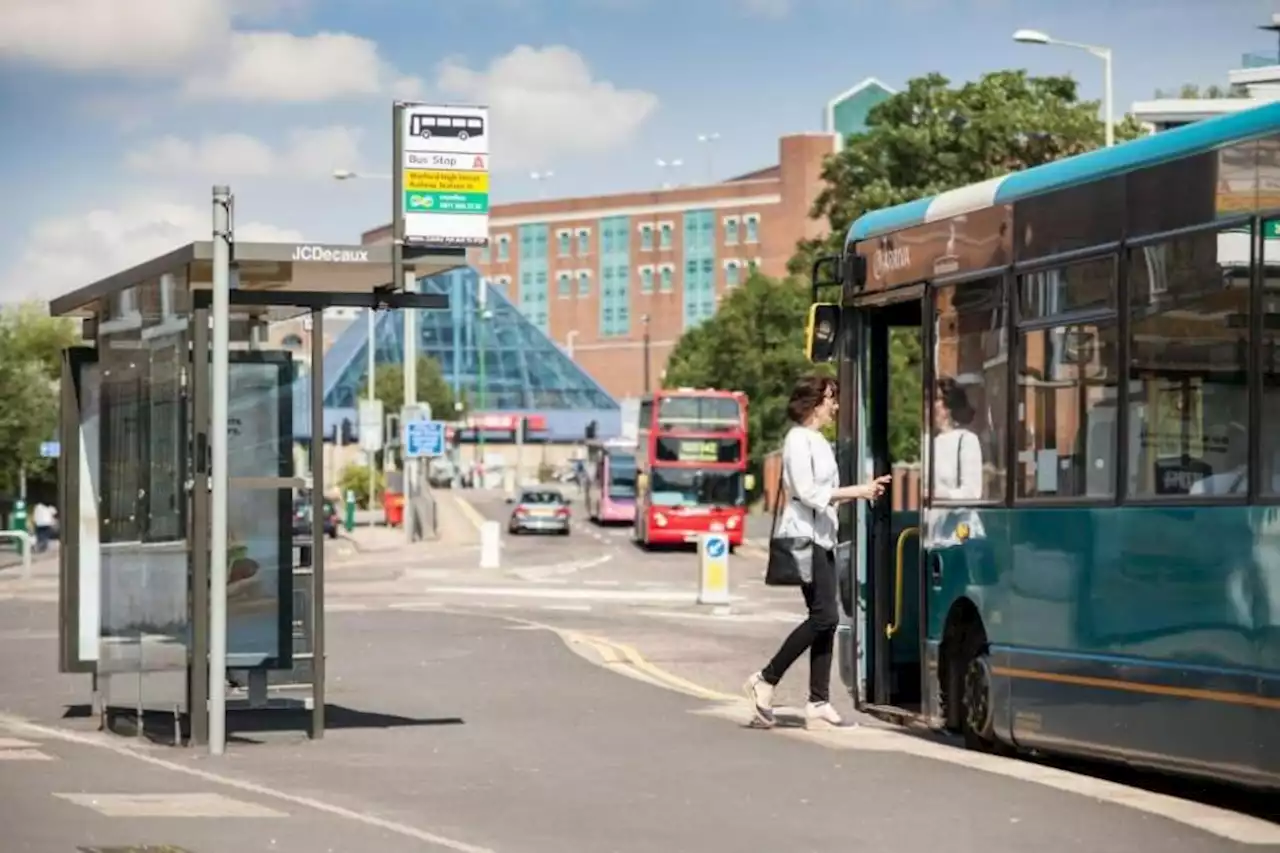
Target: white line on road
[{"x": 623, "y": 595}]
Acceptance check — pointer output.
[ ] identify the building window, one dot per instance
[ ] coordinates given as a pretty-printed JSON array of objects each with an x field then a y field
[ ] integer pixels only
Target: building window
[
  {"x": 731, "y": 231},
  {"x": 646, "y": 237},
  {"x": 732, "y": 273},
  {"x": 562, "y": 244},
  {"x": 646, "y": 279},
  {"x": 968, "y": 427},
  {"x": 584, "y": 282},
  {"x": 564, "y": 285},
  {"x": 665, "y": 278},
  {"x": 1188, "y": 366},
  {"x": 291, "y": 342},
  {"x": 753, "y": 228},
  {"x": 665, "y": 231},
  {"x": 584, "y": 242},
  {"x": 1068, "y": 382},
  {"x": 504, "y": 247}
]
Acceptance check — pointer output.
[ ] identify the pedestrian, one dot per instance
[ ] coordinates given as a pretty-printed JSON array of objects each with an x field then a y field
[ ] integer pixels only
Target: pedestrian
[
  {"x": 42, "y": 517},
  {"x": 807, "y": 522}
]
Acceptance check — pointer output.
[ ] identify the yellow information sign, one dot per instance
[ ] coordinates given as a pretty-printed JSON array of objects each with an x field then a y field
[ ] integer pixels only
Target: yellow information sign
[{"x": 419, "y": 180}]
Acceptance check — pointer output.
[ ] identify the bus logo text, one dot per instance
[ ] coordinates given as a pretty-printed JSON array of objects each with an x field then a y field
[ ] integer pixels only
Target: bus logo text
[{"x": 890, "y": 260}]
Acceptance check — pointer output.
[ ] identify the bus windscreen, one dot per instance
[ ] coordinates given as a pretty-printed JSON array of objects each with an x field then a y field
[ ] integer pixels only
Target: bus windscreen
[
  {"x": 675, "y": 487},
  {"x": 707, "y": 413},
  {"x": 622, "y": 475}
]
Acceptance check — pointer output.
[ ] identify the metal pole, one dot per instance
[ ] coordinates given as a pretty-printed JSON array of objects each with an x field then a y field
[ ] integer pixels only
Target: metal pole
[
  {"x": 218, "y": 463},
  {"x": 372, "y": 367},
  {"x": 645, "y": 321},
  {"x": 482, "y": 301},
  {"x": 1107, "y": 103},
  {"x": 409, "y": 350},
  {"x": 317, "y": 526},
  {"x": 410, "y": 401}
]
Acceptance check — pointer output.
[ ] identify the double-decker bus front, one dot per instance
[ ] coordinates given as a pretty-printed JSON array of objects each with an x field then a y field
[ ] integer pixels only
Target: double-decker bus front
[
  {"x": 611, "y": 482},
  {"x": 693, "y": 461}
]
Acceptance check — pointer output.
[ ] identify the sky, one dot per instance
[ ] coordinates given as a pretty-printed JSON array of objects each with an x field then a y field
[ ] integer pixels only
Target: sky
[{"x": 117, "y": 116}]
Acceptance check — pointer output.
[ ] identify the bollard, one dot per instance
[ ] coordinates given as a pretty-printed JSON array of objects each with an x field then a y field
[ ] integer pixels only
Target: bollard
[
  {"x": 349, "y": 517},
  {"x": 490, "y": 544},
  {"x": 713, "y": 568},
  {"x": 18, "y": 521}
]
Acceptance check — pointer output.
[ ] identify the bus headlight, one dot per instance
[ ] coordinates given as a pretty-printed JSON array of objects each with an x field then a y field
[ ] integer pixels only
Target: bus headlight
[
  {"x": 660, "y": 519},
  {"x": 732, "y": 523}
]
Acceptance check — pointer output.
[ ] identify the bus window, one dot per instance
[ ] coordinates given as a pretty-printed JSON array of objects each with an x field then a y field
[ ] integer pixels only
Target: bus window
[
  {"x": 1270, "y": 462},
  {"x": 1188, "y": 366}
]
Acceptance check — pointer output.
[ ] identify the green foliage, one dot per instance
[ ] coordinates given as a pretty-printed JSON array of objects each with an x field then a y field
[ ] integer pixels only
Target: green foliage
[
  {"x": 31, "y": 343},
  {"x": 933, "y": 137},
  {"x": 753, "y": 344},
  {"x": 355, "y": 478},
  {"x": 388, "y": 386}
]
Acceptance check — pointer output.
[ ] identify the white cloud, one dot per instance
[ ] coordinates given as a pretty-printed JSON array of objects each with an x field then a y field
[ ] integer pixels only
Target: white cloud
[
  {"x": 280, "y": 66},
  {"x": 309, "y": 153},
  {"x": 773, "y": 9},
  {"x": 67, "y": 252},
  {"x": 135, "y": 36},
  {"x": 545, "y": 103}
]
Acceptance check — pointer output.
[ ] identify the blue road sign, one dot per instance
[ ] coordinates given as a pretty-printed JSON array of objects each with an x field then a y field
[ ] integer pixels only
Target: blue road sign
[
  {"x": 717, "y": 546},
  {"x": 423, "y": 438},
  {"x": 50, "y": 449}
]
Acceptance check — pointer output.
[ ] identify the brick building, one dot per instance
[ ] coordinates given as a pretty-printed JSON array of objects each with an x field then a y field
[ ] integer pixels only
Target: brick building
[{"x": 594, "y": 274}]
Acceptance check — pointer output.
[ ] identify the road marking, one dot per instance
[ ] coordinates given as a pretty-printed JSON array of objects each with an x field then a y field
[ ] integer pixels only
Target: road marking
[
  {"x": 169, "y": 805},
  {"x": 469, "y": 512},
  {"x": 540, "y": 572},
  {"x": 567, "y": 608},
  {"x": 17, "y": 724},
  {"x": 602, "y": 583},
  {"x": 601, "y": 595},
  {"x": 24, "y": 755}
]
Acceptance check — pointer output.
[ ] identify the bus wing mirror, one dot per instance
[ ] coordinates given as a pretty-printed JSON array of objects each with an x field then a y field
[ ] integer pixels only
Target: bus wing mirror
[{"x": 822, "y": 332}]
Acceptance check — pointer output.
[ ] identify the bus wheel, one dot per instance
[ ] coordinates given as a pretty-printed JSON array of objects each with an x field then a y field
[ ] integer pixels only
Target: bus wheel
[
  {"x": 463, "y": 135},
  {"x": 977, "y": 707}
]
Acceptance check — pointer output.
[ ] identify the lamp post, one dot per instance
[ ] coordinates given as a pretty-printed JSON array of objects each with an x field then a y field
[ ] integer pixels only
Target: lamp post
[
  {"x": 709, "y": 140},
  {"x": 644, "y": 322},
  {"x": 668, "y": 164},
  {"x": 542, "y": 178},
  {"x": 1103, "y": 53},
  {"x": 483, "y": 316}
]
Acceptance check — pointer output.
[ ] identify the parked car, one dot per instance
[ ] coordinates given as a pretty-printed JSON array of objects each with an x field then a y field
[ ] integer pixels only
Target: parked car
[
  {"x": 302, "y": 517},
  {"x": 540, "y": 511}
]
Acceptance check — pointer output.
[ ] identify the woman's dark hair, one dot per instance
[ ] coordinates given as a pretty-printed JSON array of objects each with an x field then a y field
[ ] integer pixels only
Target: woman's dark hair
[
  {"x": 808, "y": 395},
  {"x": 955, "y": 400}
]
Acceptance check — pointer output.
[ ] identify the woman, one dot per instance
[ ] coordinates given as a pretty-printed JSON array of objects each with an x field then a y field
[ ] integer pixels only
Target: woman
[
  {"x": 957, "y": 451},
  {"x": 811, "y": 478}
]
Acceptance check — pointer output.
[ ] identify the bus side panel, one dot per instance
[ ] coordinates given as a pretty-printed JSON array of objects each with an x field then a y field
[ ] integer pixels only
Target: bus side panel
[{"x": 1141, "y": 633}]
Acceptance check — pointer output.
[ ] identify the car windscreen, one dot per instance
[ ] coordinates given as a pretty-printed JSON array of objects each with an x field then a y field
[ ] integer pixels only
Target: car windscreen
[{"x": 541, "y": 498}]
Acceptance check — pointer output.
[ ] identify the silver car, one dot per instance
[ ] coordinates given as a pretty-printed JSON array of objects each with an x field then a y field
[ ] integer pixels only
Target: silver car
[{"x": 540, "y": 511}]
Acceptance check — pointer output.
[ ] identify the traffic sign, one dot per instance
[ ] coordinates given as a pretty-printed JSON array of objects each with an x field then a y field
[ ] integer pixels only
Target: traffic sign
[
  {"x": 423, "y": 438},
  {"x": 371, "y": 421},
  {"x": 713, "y": 569},
  {"x": 50, "y": 449},
  {"x": 443, "y": 174}
]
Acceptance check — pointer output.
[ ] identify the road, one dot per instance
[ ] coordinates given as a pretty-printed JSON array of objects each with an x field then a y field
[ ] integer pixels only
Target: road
[{"x": 575, "y": 700}]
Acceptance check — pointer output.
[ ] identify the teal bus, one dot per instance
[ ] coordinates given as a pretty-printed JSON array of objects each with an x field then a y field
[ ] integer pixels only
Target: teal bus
[{"x": 1090, "y": 565}]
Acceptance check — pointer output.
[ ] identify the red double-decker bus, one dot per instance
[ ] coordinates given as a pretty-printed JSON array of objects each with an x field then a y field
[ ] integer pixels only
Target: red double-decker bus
[{"x": 691, "y": 466}]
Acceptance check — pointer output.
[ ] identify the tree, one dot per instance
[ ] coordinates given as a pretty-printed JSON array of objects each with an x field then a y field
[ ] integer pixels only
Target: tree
[
  {"x": 933, "y": 137},
  {"x": 31, "y": 344},
  {"x": 388, "y": 386},
  {"x": 753, "y": 344}
]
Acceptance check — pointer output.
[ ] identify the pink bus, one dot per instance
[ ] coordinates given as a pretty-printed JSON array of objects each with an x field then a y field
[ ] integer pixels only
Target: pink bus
[{"x": 610, "y": 488}]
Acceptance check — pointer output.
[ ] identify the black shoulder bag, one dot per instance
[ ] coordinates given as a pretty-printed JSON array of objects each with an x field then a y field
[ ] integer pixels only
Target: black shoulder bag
[{"x": 790, "y": 557}]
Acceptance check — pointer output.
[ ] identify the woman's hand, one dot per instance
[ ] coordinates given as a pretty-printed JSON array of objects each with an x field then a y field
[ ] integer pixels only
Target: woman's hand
[{"x": 864, "y": 491}]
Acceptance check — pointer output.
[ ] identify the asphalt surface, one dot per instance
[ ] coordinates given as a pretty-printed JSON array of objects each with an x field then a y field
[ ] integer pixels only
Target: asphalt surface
[{"x": 491, "y": 711}]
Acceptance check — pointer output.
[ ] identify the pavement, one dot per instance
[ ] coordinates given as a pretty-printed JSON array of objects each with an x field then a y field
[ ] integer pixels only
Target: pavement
[{"x": 576, "y": 699}]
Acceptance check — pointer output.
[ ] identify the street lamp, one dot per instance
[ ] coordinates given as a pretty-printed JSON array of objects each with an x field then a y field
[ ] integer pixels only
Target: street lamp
[
  {"x": 709, "y": 139},
  {"x": 348, "y": 175},
  {"x": 540, "y": 177},
  {"x": 668, "y": 164},
  {"x": 644, "y": 321},
  {"x": 1103, "y": 53}
]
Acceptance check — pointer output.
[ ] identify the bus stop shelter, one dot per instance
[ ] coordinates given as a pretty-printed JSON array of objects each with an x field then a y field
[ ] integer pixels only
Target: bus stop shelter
[{"x": 135, "y": 477}]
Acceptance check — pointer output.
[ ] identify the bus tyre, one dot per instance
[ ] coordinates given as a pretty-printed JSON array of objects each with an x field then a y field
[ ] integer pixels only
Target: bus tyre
[{"x": 977, "y": 710}]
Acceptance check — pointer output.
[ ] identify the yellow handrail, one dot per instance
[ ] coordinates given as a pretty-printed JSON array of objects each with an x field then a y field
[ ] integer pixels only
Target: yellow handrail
[{"x": 890, "y": 630}]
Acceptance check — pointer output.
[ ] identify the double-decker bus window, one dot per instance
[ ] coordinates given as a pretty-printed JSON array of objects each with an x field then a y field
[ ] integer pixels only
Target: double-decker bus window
[
  {"x": 1067, "y": 383},
  {"x": 1189, "y": 357},
  {"x": 968, "y": 424},
  {"x": 702, "y": 413},
  {"x": 622, "y": 475},
  {"x": 688, "y": 487}
]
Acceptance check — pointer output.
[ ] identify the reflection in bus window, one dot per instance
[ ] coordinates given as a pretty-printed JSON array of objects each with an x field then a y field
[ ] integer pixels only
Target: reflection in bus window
[
  {"x": 970, "y": 353},
  {"x": 1188, "y": 398},
  {"x": 709, "y": 413},
  {"x": 690, "y": 487},
  {"x": 1270, "y": 345}
]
